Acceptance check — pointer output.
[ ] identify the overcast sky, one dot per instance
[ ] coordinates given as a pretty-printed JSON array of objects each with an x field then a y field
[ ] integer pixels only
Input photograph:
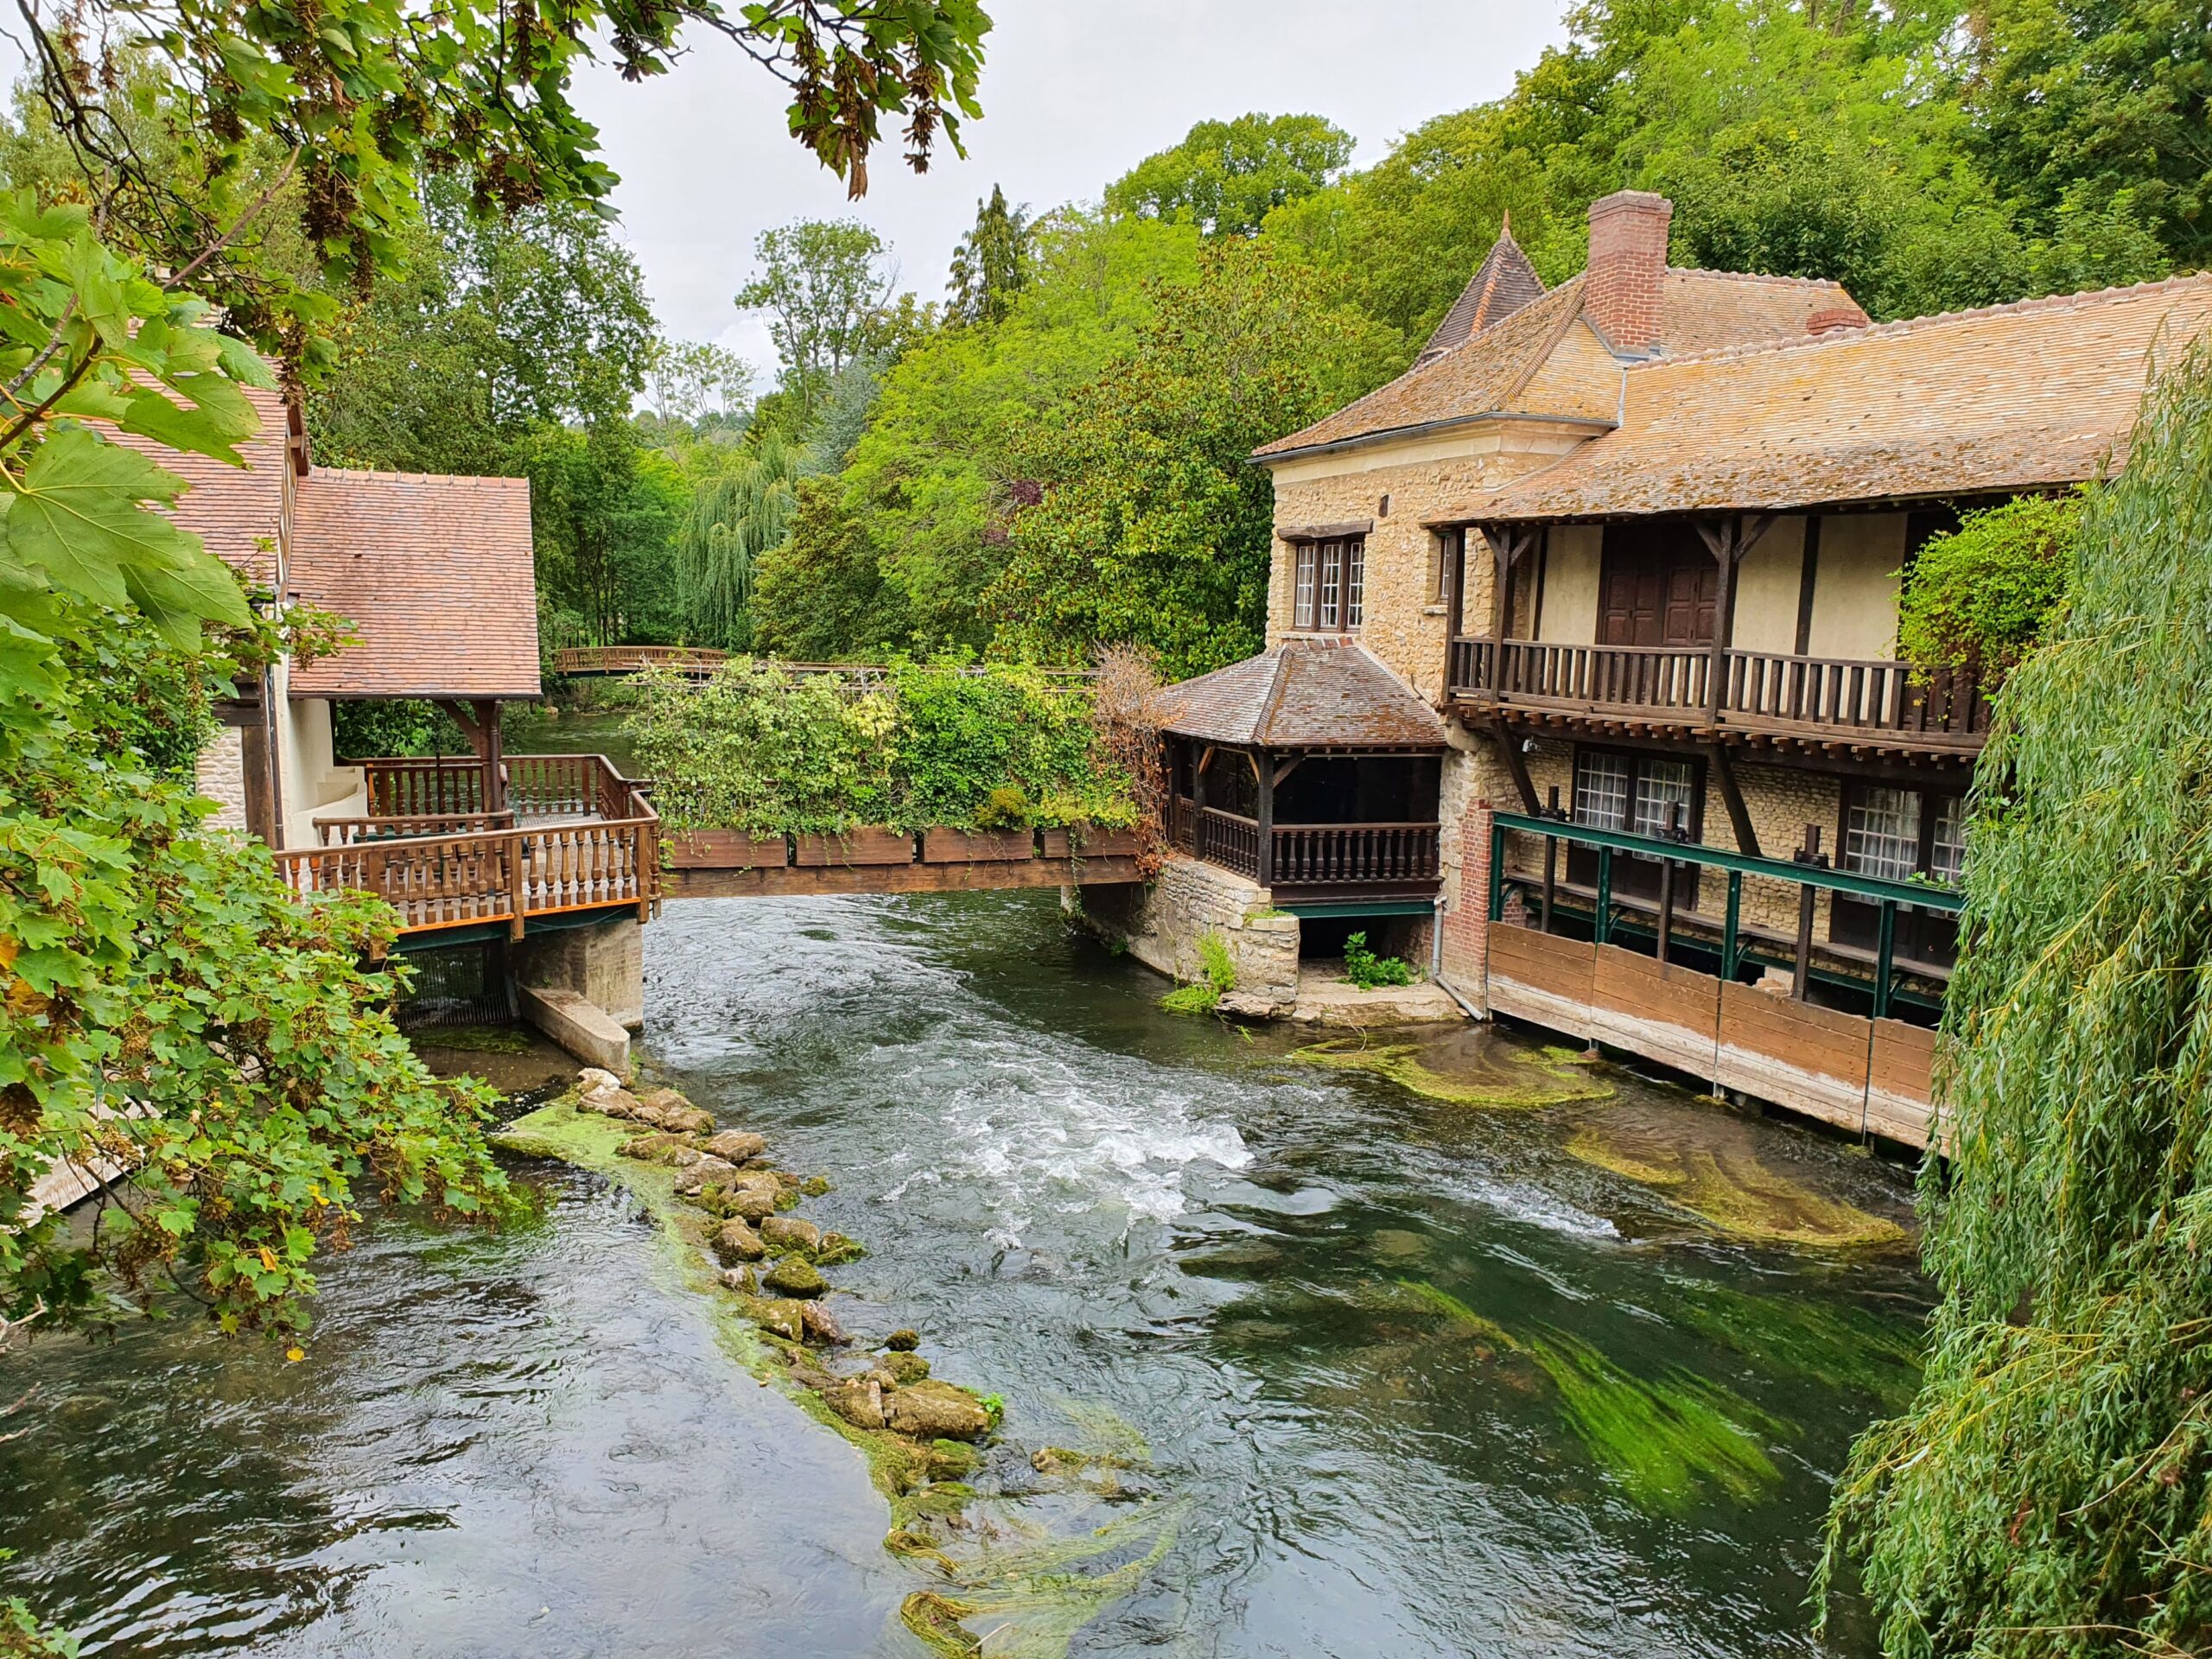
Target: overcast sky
[{"x": 1074, "y": 93}]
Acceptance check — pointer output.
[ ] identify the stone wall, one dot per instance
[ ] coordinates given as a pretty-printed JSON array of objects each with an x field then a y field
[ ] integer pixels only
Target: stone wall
[
  {"x": 219, "y": 774},
  {"x": 1163, "y": 921},
  {"x": 604, "y": 963}
]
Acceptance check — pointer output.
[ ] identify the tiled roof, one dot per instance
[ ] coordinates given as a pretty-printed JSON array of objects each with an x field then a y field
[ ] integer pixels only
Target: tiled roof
[
  {"x": 435, "y": 575},
  {"x": 1502, "y": 284},
  {"x": 1497, "y": 370},
  {"x": 2008, "y": 398},
  {"x": 1478, "y": 378},
  {"x": 1302, "y": 693},
  {"x": 236, "y": 512}
]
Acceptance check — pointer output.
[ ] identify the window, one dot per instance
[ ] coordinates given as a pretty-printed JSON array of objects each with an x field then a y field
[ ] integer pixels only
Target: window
[
  {"x": 1947, "y": 845},
  {"x": 1447, "y": 552},
  {"x": 1602, "y": 785},
  {"x": 1661, "y": 786},
  {"x": 1329, "y": 586},
  {"x": 1881, "y": 833}
]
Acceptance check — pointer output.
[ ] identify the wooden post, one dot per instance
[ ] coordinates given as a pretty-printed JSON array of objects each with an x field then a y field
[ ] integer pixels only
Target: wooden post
[
  {"x": 1801, "y": 976},
  {"x": 1551, "y": 868},
  {"x": 1666, "y": 886},
  {"x": 1728, "y": 541},
  {"x": 1266, "y": 815}
]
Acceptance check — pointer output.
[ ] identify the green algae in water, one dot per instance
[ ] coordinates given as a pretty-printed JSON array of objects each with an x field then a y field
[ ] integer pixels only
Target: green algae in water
[
  {"x": 1733, "y": 1190},
  {"x": 1034, "y": 1599},
  {"x": 476, "y": 1039},
  {"x": 1666, "y": 1440},
  {"x": 1466, "y": 1069},
  {"x": 1849, "y": 1349}
]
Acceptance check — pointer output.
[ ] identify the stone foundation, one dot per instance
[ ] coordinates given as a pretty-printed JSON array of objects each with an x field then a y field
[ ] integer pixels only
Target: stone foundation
[
  {"x": 603, "y": 962},
  {"x": 1162, "y": 922}
]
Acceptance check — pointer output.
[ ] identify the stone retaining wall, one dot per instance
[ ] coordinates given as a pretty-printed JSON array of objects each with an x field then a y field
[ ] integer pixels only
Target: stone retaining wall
[{"x": 1163, "y": 921}]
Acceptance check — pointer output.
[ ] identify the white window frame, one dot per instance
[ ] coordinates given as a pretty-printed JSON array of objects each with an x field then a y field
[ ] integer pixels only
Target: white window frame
[{"x": 1306, "y": 556}]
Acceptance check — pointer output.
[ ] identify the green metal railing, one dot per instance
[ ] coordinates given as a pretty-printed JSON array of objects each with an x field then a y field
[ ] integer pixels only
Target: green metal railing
[{"x": 1807, "y": 875}]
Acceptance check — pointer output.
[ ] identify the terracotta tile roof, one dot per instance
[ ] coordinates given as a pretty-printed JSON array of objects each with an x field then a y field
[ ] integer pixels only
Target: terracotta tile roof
[
  {"x": 1479, "y": 378},
  {"x": 1502, "y": 284},
  {"x": 1498, "y": 370},
  {"x": 236, "y": 512},
  {"x": 1706, "y": 310},
  {"x": 2006, "y": 398},
  {"x": 435, "y": 574},
  {"x": 1302, "y": 693}
]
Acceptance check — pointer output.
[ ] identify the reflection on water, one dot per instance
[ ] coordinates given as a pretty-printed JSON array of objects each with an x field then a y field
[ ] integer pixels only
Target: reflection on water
[{"x": 1423, "y": 1379}]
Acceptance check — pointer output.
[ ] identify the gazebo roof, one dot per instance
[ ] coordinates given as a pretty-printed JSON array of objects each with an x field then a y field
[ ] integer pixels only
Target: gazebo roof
[{"x": 1302, "y": 693}]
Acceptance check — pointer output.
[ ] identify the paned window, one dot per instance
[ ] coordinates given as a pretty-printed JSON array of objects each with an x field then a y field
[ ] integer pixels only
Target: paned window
[
  {"x": 1601, "y": 790},
  {"x": 1329, "y": 589},
  {"x": 1947, "y": 845},
  {"x": 1881, "y": 835},
  {"x": 1659, "y": 785},
  {"x": 1447, "y": 552}
]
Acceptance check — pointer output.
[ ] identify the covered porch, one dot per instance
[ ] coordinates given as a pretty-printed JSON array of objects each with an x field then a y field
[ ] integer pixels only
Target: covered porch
[{"x": 1312, "y": 771}]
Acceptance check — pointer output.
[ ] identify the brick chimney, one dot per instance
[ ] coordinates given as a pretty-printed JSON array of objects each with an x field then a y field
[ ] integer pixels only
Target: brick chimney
[{"x": 1628, "y": 265}]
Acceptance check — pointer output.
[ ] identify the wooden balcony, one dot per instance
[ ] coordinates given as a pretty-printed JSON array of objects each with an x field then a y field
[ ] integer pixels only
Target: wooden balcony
[
  {"x": 576, "y": 836},
  {"x": 1313, "y": 861},
  {"x": 1758, "y": 696}
]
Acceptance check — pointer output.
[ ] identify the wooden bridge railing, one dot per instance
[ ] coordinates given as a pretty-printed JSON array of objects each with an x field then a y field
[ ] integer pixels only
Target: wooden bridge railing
[
  {"x": 1353, "y": 854},
  {"x": 629, "y": 659},
  {"x": 491, "y": 870}
]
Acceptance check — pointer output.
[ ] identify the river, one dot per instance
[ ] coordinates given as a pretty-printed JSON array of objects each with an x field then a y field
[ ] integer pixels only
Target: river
[{"x": 1393, "y": 1374}]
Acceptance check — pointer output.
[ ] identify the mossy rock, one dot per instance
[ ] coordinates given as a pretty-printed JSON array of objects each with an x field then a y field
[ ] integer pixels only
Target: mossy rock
[
  {"x": 906, "y": 1368},
  {"x": 795, "y": 1276},
  {"x": 835, "y": 1248},
  {"x": 903, "y": 1341}
]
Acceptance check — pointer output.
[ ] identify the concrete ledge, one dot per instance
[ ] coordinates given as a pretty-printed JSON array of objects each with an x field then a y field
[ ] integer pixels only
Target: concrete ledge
[
  {"x": 580, "y": 1027},
  {"x": 1325, "y": 1000}
]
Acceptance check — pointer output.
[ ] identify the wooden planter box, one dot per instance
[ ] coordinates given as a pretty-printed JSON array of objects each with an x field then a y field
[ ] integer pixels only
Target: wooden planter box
[
  {"x": 977, "y": 846},
  {"x": 726, "y": 849},
  {"x": 854, "y": 847},
  {"x": 1090, "y": 843}
]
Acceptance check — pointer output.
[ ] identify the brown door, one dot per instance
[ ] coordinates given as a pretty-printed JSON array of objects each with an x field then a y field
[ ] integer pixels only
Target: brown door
[{"x": 1659, "y": 588}]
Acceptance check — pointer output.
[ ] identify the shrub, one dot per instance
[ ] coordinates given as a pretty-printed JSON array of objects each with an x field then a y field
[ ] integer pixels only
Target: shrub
[
  {"x": 1367, "y": 971},
  {"x": 1981, "y": 596},
  {"x": 1217, "y": 971}
]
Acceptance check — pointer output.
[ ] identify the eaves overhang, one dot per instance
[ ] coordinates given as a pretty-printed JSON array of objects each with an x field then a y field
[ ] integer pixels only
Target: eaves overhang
[{"x": 1588, "y": 423}]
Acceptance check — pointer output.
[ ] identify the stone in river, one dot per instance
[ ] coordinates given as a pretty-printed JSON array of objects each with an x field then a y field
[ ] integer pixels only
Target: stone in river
[
  {"x": 738, "y": 1145},
  {"x": 703, "y": 1171},
  {"x": 906, "y": 1368},
  {"x": 610, "y": 1102},
  {"x": 734, "y": 1242},
  {"x": 592, "y": 1080},
  {"x": 741, "y": 1279},
  {"x": 820, "y": 1324},
  {"x": 859, "y": 1401},
  {"x": 903, "y": 1342},
  {"x": 936, "y": 1411},
  {"x": 752, "y": 1200},
  {"x": 782, "y": 1317},
  {"x": 792, "y": 1231},
  {"x": 658, "y": 1147},
  {"x": 793, "y": 1277},
  {"x": 835, "y": 1248}
]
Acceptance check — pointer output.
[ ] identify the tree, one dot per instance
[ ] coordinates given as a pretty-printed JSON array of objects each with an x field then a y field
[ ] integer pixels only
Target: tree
[
  {"x": 1226, "y": 176},
  {"x": 820, "y": 595},
  {"x": 2049, "y": 1490},
  {"x": 500, "y": 327},
  {"x": 603, "y": 510},
  {"x": 739, "y": 513},
  {"x": 991, "y": 265},
  {"x": 368, "y": 99},
  {"x": 1982, "y": 596},
  {"x": 1154, "y": 528},
  {"x": 690, "y": 381},
  {"x": 827, "y": 287}
]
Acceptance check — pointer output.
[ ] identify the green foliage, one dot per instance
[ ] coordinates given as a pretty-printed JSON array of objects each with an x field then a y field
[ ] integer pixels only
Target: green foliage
[
  {"x": 21, "y": 1635},
  {"x": 2049, "y": 1491},
  {"x": 738, "y": 513},
  {"x": 1226, "y": 176},
  {"x": 1216, "y": 977},
  {"x": 1982, "y": 595},
  {"x": 991, "y": 265},
  {"x": 604, "y": 510},
  {"x": 1154, "y": 529},
  {"x": 392, "y": 726},
  {"x": 826, "y": 285},
  {"x": 760, "y": 749},
  {"x": 167, "y": 1004},
  {"x": 821, "y": 596},
  {"x": 1368, "y": 971},
  {"x": 1219, "y": 967}
]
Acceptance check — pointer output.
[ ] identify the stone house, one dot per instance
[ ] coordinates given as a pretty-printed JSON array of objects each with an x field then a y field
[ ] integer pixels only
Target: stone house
[{"x": 1635, "y": 541}]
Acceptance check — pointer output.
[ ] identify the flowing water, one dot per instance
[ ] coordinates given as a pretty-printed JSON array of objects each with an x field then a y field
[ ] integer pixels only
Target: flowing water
[{"x": 1394, "y": 1374}]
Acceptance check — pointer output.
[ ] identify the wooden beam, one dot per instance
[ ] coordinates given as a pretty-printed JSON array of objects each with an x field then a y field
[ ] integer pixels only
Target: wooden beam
[
  {"x": 895, "y": 877},
  {"x": 1732, "y": 797},
  {"x": 1509, "y": 749},
  {"x": 1265, "y": 766}
]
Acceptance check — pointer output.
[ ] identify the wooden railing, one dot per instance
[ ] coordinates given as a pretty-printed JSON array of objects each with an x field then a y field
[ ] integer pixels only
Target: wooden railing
[
  {"x": 1183, "y": 823},
  {"x": 343, "y": 832},
  {"x": 610, "y": 856},
  {"x": 1757, "y": 690},
  {"x": 438, "y": 786},
  {"x": 629, "y": 659},
  {"x": 1333, "y": 855},
  {"x": 1232, "y": 841},
  {"x": 1761, "y": 689}
]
